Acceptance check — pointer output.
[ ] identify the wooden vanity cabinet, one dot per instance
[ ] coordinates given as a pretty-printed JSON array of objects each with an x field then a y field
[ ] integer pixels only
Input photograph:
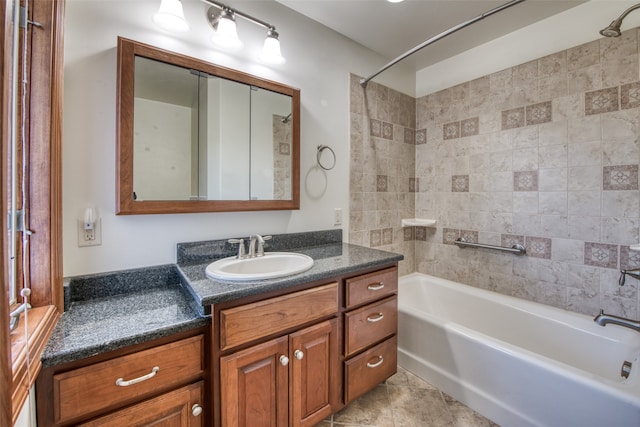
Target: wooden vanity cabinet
[
  {"x": 291, "y": 379},
  {"x": 161, "y": 383}
]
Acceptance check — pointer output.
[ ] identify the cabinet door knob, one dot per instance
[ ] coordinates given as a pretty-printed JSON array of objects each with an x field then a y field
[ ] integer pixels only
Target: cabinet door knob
[
  {"x": 196, "y": 410},
  {"x": 298, "y": 354},
  {"x": 284, "y": 360}
]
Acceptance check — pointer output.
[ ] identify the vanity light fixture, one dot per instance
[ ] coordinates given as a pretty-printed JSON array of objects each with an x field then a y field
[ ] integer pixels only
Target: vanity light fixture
[
  {"x": 170, "y": 16},
  {"x": 226, "y": 36},
  {"x": 395, "y": 1}
]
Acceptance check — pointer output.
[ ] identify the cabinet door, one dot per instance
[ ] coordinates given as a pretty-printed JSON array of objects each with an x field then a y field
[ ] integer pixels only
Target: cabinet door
[
  {"x": 313, "y": 356},
  {"x": 254, "y": 386},
  {"x": 178, "y": 408}
]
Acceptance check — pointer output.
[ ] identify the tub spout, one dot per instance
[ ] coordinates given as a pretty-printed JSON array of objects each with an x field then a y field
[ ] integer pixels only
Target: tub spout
[
  {"x": 603, "y": 319},
  {"x": 635, "y": 273}
]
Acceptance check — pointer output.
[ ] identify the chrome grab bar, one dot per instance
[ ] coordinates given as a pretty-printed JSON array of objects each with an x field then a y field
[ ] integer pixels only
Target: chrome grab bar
[{"x": 515, "y": 249}]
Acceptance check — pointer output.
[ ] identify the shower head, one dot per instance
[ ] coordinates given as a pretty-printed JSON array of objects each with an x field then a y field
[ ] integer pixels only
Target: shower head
[{"x": 613, "y": 30}]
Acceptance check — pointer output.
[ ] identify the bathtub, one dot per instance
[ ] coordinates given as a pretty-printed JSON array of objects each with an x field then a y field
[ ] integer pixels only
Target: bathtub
[{"x": 517, "y": 362}]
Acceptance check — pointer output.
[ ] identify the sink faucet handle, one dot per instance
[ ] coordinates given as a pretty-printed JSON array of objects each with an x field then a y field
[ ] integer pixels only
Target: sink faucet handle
[
  {"x": 241, "y": 250},
  {"x": 260, "y": 250}
]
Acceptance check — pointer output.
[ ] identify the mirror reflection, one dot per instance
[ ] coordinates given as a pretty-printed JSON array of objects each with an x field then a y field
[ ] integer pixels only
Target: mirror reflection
[
  {"x": 201, "y": 137},
  {"x": 197, "y": 137}
]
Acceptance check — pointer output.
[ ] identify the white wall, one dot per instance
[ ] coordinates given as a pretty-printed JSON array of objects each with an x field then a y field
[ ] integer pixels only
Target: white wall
[
  {"x": 318, "y": 62},
  {"x": 571, "y": 28}
]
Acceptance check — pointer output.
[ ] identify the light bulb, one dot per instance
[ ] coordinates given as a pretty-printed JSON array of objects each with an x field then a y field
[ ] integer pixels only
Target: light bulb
[
  {"x": 226, "y": 35},
  {"x": 271, "y": 50},
  {"x": 170, "y": 17}
]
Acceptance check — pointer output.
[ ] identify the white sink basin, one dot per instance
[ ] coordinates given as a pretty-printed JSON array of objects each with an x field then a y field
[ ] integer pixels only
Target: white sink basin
[{"x": 269, "y": 266}]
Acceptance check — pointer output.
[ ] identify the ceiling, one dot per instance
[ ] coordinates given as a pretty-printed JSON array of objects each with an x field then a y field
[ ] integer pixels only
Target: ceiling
[{"x": 391, "y": 29}]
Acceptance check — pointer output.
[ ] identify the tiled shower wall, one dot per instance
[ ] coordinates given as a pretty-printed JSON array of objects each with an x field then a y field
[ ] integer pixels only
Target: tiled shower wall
[
  {"x": 382, "y": 169},
  {"x": 545, "y": 154}
]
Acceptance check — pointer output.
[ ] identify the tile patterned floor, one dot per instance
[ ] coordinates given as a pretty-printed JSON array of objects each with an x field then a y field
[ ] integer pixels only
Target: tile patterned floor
[{"x": 404, "y": 400}]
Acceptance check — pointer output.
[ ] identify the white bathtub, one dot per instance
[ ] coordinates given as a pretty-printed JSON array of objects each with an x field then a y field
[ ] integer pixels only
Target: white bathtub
[{"x": 517, "y": 362}]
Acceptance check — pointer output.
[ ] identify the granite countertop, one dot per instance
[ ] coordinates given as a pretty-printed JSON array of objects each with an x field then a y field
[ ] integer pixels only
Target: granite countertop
[
  {"x": 96, "y": 322},
  {"x": 330, "y": 260},
  {"x": 110, "y": 311}
]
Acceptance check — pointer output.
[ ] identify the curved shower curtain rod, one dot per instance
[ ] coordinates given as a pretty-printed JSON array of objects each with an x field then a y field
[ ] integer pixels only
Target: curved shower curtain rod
[{"x": 363, "y": 82}]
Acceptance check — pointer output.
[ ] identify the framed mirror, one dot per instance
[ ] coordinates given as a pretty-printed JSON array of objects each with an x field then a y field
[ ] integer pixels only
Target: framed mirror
[{"x": 196, "y": 137}]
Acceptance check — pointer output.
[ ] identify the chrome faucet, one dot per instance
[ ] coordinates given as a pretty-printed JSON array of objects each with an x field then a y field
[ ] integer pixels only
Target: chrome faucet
[
  {"x": 635, "y": 273},
  {"x": 259, "y": 251},
  {"x": 603, "y": 319}
]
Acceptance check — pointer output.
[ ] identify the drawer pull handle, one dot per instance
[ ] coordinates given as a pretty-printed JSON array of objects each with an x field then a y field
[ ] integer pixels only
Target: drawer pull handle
[
  {"x": 375, "y": 286},
  {"x": 375, "y": 364},
  {"x": 284, "y": 360},
  {"x": 122, "y": 383},
  {"x": 373, "y": 319}
]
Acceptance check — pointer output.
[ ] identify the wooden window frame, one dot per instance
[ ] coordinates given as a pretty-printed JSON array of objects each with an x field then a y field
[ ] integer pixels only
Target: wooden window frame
[{"x": 44, "y": 201}]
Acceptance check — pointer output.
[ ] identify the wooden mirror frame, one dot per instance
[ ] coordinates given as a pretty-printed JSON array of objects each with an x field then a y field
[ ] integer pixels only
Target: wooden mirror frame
[{"x": 125, "y": 205}]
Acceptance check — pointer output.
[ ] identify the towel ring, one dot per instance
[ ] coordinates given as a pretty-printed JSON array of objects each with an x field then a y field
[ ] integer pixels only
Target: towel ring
[{"x": 321, "y": 148}]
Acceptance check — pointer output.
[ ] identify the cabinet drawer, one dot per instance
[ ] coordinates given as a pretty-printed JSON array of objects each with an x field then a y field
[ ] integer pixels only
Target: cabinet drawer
[
  {"x": 181, "y": 407},
  {"x": 126, "y": 379},
  {"x": 240, "y": 325},
  {"x": 372, "y": 286},
  {"x": 370, "y": 368},
  {"x": 367, "y": 325}
]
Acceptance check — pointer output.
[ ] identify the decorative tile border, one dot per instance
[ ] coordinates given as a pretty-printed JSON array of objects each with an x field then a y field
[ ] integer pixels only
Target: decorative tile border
[
  {"x": 375, "y": 238},
  {"x": 629, "y": 259},
  {"x": 470, "y": 127},
  {"x": 451, "y": 130},
  {"x": 601, "y": 101},
  {"x": 538, "y": 247},
  {"x": 601, "y": 255},
  {"x": 469, "y": 236},
  {"x": 421, "y": 136},
  {"x": 460, "y": 183},
  {"x": 525, "y": 181},
  {"x": 387, "y": 236},
  {"x": 409, "y": 233},
  {"x": 449, "y": 235},
  {"x": 623, "y": 177},
  {"x": 630, "y": 95},
  {"x": 375, "y": 128},
  {"x": 283, "y": 148},
  {"x": 387, "y": 130},
  {"x": 539, "y": 113},
  {"x": 381, "y": 183},
  {"x": 513, "y": 118},
  {"x": 409, "y": 136},
  {"x": 414, "y": 185},
  {"x": 508, "y": 240}
]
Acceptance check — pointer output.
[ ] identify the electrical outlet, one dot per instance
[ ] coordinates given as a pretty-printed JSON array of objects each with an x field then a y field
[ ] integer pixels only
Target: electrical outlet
[
  {"x": 337, "y": 216},
  {"x": 91, "y": 237}
]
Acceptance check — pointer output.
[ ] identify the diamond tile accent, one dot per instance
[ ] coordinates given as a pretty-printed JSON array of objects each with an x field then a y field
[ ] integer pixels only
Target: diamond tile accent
[
  {"x": 601, "y": 255},
  {"x": 525, "y": 181},
  {"x": 387, "y": 130},
  {"x": 601, "y": 101},
  {"x": 421, "y": 136},
  {"x": 409, "y": 136},
  {"x": 449, "y": 235},
  {"x": 387, "y": 236},
  {"x": 508, "y": 240},
  {"x": 469, "y": 236},
  {"x": 375, "y": 238},
  {"x": 451, "y": 130},
  {"x": 460, "y": 183},
  {"x": 539, "y": 113},
  {"x": 512, "y": 119},
  {"x": 284, "y": 149},
  {"x": 381, "y": 183},
  {"x": 623, "y": 177},
  {"x": 421, "y": 233},
  {"x": 375, "y": 128},
  {"x": 470, "y": 127},
  {"x": 409, "y": 233},
  {"x": 414, "y": 185},
  {"x": 630, "y": 95},
  {"x": 629, "y": 259},
  {"x": 538, "y": 247}
]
